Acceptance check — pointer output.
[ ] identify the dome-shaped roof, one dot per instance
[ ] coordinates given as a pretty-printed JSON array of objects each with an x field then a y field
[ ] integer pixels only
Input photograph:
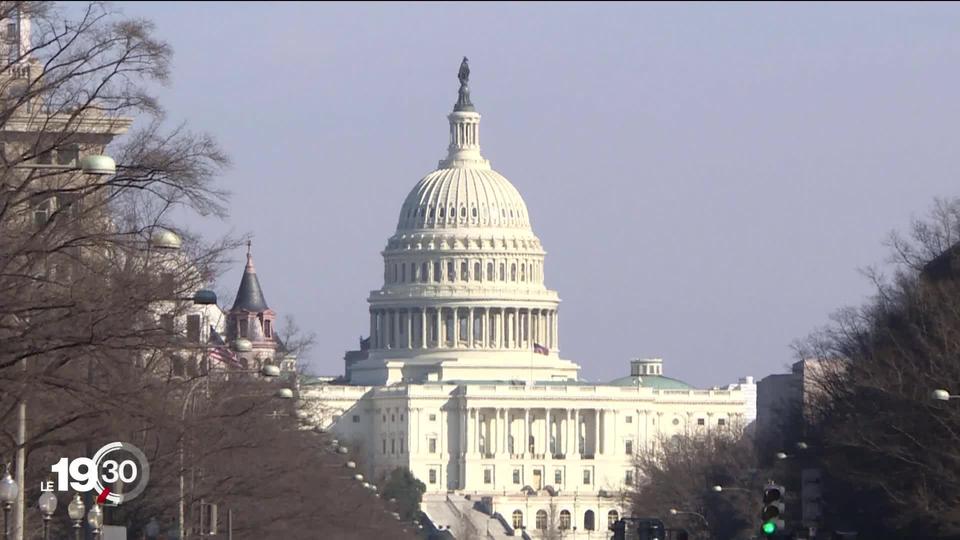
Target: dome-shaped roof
[{"x": 463, "y": 197}]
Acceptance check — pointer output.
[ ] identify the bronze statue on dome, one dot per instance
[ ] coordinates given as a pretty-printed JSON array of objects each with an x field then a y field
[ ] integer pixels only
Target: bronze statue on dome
[{"x": 463, "y": 97}]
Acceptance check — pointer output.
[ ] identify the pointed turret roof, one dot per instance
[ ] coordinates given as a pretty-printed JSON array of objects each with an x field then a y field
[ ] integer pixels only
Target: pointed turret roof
[{"x": 250, "y": 295}]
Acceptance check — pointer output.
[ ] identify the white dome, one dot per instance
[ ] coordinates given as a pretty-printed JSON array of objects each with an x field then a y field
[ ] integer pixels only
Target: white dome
[{"x": 462, "y": 197}]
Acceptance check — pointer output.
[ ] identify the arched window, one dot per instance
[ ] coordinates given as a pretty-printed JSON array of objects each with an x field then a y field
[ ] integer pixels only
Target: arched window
[
  {"x": 451, "y": 272},
  {"x": 403, "y": 273},
  {"x": 513, "y": 272},
  {"x": 588, "y": 521},
  {"x": 474, "y": 212},
  {"x": 523, "y": 272},
  {"x": 489, "y": 271},
  {"x": 503, "y": 272},
  {"x": 477, "y": 273},
  {"x": 564, "y": 520},
  {"x": 541, "y": 520},
  {"x": 394, "y": 273},
  {"x": 463, "y": 211},
  {"x": 432, "y": 213},
  {"x": 464, "y": 269},
  {"x": 517, "y": 519},
  {"x": 423, "y": 273},
  {"x": 441, "y": 211},
  {"x": 437, "y": 272},
  {"x": 612, "y": 517}
]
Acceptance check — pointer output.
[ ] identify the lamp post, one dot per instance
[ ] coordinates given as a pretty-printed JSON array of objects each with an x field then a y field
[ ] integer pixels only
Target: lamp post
[
  {"x": 95, "y": 520},
  {"x": 675, "y": 512},
  {"x": 47, "y": 505},
  {"x": 76, "y": 510},
  {"x": 8, "y": 495},
  {"x": 96, "y": 165}
]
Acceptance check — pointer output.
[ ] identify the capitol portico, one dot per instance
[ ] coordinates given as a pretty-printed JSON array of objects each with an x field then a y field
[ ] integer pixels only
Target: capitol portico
[{"x": 461, "y": 380}]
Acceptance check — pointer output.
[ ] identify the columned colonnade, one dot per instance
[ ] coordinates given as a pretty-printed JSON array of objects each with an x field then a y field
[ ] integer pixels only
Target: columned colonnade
[
  {"x": 536, "y": 432},
  {"x": 463, "y": 327}
]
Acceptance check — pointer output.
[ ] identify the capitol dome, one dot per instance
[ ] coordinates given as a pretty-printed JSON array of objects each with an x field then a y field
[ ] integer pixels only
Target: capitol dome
[{"x": 463, "y": 294}]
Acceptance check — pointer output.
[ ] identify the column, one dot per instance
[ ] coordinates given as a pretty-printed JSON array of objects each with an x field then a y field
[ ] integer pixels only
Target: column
[
  {"x": 423, "y": 328},
  {"x": 485, "y": 329},
  {"x": 525, "y": 444},
  {"x": 476, "y": 430},
  {"x": 395, "y": 341},
  {"x": 439, "y": 327},
  {"x": 409, "y": 328},
  {"x": 556, "y": 329},
  {"x": 546, "y": 441},
  {"x": 373, "y": 327},
  {"x": 577, "y": 434},
  {"x": 505, "y": 430},
  {"x": 596, "y": 432},
  {"x": 456, "y": 328},
  {"x": 387, "y": 329},
  {"x": 464, "y": 431},
  {"x": 470, "y": 323}
]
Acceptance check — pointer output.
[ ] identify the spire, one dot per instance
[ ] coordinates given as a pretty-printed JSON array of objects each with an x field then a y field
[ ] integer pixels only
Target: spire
[
  {"x": 250, "y": 295},
  {"x": 464, "y": 149}
]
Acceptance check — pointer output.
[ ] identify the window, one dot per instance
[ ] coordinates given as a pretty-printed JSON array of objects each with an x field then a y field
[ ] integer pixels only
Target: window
[
  {"x": 401, "y": 445},
  {"x": 243, "y": 327},
  {"x": 432, "y": 446},
  {"x": 701, "y": 421},
  {"x": 487, "y": 476},
  {"x": 441, "y": 211},
  {"x": 394, "y": 273},
  {"x": 503, "y": 272},
  {"x": 477, "y": 273},
  {"x": 433, "y": 417},
  {"x": 451, "y": 272},
  {"x": 490, "y": 271},
  {"x": 628, "y": 447},
  {"x": 42, "y": 212},
  {"x": 523, "y": 272},
  {"x": 612, "y": 517},
  {"x": 588, "y": 517},
  {"x": 393, "y": 418},
  {"x": 423, "y": 273},
  {"x": 586, "y": 477},
  {"x": 676, "y": 421},
  {"x": 513, "y": 272},
  {"x": 516, "y": 476},
  {"x": 629, "y": 420},
  {"x": 433, "y": 476},
  {"x": 384, "y": 446},
  {"x": 474, "y": 212},
  {"x": 628, "y": 478},
  {"x": 464, "y": 268},
  {"x": 558, "y": 477},
  {"x": 401, "y": 417},
  {"x": 393, "y": 446},
  {"x": 517, "y": 519},
  {"x": 356, "y": 419},
  {"x": 564, "y": 520},
  {"x": 721, "y": 421},
  {"x": 437, "y": 272},
  {"x": 384, "y": 418},
  {"x": 403, "y": 273},
  {"x": 541, "y": 520},
  {"x": 193, "y": 328},
  {"x": 463, "y": 211}
]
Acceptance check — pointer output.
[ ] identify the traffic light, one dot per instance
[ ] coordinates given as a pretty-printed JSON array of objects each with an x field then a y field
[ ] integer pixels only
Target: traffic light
[{"x": 771, "y": 517}]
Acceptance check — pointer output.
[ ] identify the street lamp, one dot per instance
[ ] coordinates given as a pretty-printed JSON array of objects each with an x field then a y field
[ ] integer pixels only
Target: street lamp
[
  {"x": 942, "y": 395},
  {"x": 95, "y": 520},
  {"x": 675, "y": 512},
  {"x": 75, "y": 510},
  {"x": 47, "y": 505},
  {"x": 719, "y": 489},
  {"x": 8, "y": 495}
]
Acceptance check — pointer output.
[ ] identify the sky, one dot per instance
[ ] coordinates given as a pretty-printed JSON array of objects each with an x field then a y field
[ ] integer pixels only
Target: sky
[{"x": 707, "y": 179}]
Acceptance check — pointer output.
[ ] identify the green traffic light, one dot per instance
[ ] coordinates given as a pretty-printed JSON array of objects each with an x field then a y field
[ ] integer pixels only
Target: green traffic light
[{"x": 769, "y": 527}]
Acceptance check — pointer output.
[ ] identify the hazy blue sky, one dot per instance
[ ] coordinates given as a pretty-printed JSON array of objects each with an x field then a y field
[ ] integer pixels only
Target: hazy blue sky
[{"x": 706, "y": 179}]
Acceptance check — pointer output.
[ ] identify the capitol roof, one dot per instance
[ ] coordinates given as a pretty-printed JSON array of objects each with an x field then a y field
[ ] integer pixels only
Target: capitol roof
[{"x": 658, "y": 382}]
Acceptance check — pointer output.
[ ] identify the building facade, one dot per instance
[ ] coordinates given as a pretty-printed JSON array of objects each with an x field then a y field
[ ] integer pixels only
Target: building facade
[{"x": 461, "y": 379}]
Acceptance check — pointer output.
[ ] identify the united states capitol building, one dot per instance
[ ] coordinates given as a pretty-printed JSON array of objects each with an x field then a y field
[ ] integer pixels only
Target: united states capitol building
[{"x": 462, "y": 381}]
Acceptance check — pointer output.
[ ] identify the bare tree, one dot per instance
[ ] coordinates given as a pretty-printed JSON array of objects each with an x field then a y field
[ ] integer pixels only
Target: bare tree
[
  {"x": 679, "y": 472},
  {"x": 886, "y": 446}
]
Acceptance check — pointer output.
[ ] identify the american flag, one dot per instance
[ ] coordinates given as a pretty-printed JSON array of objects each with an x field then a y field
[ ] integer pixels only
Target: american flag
[
  {"x": 220, "y": 352},
  {"x": 540, "y": 349}
]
